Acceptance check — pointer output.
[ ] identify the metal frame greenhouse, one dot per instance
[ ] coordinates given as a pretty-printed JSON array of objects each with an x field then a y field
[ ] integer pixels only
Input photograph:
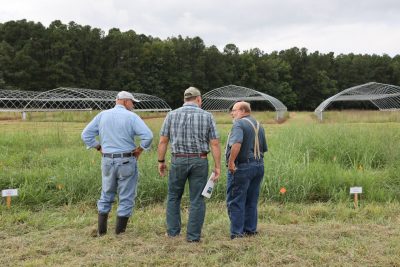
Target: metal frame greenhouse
[
  {"x": 222, "y": 99},
  {"x": 69, "y": 99},
  {"x": 385, "y": 97},
  {"x": 15, "y": 100}
]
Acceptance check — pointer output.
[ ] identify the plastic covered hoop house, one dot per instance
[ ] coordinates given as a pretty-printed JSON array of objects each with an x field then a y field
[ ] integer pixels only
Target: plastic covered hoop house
[
  {"x": 383, "y": 96},
  {"x": 222, "y": 99}
]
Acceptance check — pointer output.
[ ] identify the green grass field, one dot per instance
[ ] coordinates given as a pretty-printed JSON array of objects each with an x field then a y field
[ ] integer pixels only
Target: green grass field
[
  {"x": 312, "y": 224},
  {"x": 314, "y": 161}
]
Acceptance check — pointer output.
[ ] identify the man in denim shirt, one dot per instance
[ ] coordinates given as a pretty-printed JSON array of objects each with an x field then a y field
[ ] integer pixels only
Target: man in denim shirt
[
  {"x": 116, "y": 129},
  {"x": 245, "y": 157},
  {"x": 191, "y": 131}
]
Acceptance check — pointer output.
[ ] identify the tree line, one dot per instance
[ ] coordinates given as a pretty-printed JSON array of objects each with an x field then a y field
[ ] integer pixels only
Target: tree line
[{"x": 35, "y": 57}]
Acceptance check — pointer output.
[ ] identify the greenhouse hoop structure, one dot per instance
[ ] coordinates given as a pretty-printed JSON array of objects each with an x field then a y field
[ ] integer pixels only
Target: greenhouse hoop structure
[
  {"x": 73, "y": 99},
  {"x": 15, "y": 100},
  {"x": 385, "y": 97},
  {"x": 222, "y": 99}
]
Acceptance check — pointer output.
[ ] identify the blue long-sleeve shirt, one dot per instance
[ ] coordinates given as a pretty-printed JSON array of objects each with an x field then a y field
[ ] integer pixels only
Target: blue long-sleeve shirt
[{"x": 117, "y": 128}]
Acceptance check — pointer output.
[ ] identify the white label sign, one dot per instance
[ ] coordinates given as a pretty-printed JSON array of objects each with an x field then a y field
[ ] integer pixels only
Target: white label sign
[
  {"x": 9, "y": 192},
  {"x": 356, "y": 190}
]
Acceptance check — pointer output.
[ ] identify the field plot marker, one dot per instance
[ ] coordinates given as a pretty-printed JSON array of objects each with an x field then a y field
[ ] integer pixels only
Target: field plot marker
[
  {"x": 356, "y": 190},
  {"x": 8, "y": 193}
]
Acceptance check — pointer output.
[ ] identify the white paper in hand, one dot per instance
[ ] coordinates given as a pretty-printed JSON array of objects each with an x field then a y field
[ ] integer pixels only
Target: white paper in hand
[{"x": 207, "y": 191}]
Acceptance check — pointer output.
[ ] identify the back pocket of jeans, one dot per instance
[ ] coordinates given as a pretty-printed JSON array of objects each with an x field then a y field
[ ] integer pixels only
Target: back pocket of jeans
[
  {"x": 106, "y": 167},
  {"x": 127, "y": 168}
]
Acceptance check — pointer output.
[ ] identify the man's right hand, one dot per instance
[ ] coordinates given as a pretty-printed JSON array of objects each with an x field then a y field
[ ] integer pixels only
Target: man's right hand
[{"x": 231, "y": 167}]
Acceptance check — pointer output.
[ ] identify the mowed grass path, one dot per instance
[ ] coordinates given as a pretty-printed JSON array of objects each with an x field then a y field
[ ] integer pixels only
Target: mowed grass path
[{"x": 289, "y": 235}]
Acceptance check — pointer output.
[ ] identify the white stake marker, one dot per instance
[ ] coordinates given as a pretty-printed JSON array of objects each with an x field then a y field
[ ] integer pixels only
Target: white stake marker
[
  {"x": 8, "y": 193},
  {"x": 356, "y": 190}
]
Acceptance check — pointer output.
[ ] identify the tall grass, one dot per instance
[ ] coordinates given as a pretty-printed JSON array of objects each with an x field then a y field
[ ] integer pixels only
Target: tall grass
[
  {"x": 263, "y": 117},
  {"x": 49, "y": 164},
  {"x": 357, "y": 116},
  {"x": 321, "y": 162}
]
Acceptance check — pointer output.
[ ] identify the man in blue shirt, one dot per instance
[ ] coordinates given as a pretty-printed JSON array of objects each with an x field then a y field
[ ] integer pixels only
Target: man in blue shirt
[
  {"x": 117, "y": 128},
  {"x": 245, "y": 157},
  {"x": 191, "y": 131}
]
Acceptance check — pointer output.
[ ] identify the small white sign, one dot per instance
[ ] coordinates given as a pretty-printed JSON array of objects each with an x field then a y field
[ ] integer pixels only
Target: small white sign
[
  {"x": 356, "y": 190},
  {"x": 9, "y": 192}
]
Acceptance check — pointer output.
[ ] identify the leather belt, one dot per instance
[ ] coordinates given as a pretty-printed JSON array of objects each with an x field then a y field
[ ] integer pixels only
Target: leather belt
[
  {"x": 190, "y": 155},
  {"x": 117, "y": 155}
]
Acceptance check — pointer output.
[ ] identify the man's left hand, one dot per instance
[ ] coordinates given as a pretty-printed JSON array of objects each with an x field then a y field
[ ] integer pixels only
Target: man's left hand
[
  {"x": 136, "y": 152},
  {"x": 162, "y": 168},
  {"x": 217, "y": 174}
]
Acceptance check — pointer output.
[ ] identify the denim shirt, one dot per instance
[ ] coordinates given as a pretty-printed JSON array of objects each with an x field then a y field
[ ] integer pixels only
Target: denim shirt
[
  {"x": 117, "y": 128},
  {"x": 242, "y": 132}
]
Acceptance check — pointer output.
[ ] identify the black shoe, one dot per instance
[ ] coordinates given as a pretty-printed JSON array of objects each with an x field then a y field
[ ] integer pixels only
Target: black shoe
[
  {"x": 172, "y": 236},
  {"x": 120, "y": 227},
  {"x": 102, "y": 224},
  {"x": 193, "y": 241},
  {"x": 250, "y": 233},
  {"x": 236, "y": 236}
]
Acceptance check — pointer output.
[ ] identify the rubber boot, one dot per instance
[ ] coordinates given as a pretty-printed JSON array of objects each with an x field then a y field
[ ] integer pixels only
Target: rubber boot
[
  {"x": 102, "y": 224},
  {"x": 120, "y": 227}
]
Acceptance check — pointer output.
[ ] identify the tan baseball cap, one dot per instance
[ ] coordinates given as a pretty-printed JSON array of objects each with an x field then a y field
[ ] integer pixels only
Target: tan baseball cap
[{"x": 191, "y": 92}]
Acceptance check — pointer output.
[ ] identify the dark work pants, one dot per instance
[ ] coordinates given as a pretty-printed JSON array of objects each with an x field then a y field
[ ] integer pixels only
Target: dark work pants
[
  {"x": 195, "y": 170},
  {"x": 243, "y": 188}
]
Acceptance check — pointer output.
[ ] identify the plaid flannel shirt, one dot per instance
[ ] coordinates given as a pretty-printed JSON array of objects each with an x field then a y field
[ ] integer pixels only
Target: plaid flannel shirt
[{"x": 189, "y": 129}]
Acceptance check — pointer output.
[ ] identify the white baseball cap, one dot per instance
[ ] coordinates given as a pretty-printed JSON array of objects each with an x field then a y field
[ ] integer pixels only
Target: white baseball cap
[{"x": 127, "y": 95}]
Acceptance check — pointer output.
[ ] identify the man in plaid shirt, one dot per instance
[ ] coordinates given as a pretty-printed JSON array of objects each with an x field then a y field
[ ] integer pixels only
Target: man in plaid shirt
[{"x": 191, "y": 132}]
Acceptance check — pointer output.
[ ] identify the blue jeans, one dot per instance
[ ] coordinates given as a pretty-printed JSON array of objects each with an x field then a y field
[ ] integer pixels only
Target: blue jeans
[
  {"x": 243, "y": 188},
  {"x": 119, "y": 175},
  {"x": 196, "y": 171}
]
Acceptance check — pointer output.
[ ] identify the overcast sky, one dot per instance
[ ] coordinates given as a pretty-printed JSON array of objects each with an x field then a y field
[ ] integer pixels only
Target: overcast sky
[{"x": 340, "y": 26}]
